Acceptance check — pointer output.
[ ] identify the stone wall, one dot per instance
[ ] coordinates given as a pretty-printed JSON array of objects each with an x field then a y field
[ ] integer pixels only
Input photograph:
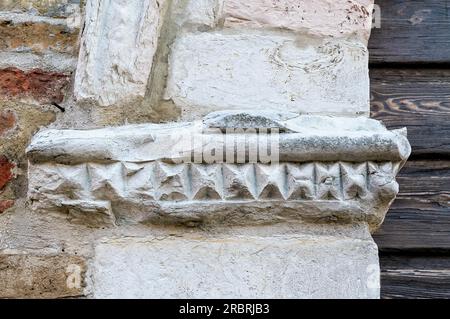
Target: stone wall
[{"x": 71, "y": 64}]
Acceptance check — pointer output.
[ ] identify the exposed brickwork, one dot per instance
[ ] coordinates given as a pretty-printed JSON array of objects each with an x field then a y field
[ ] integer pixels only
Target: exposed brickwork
[
  {"x": 45, "y": 87},
  {"x": 5, "y": 204},
  {"x": 7, "y": 121},
  {"x": 6, "y": 171}
]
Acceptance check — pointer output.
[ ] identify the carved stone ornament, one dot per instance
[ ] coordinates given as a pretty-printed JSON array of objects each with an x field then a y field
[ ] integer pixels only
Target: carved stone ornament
[{"x": 323, "y": 168}]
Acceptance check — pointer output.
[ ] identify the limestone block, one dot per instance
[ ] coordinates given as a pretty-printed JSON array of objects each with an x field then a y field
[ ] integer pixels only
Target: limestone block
[
  {"x": 240, "y": 71},
  {"x": 240, "y": 266},
  {"x": 318, "y": 17},
  {"x": 117, "y": 49}
]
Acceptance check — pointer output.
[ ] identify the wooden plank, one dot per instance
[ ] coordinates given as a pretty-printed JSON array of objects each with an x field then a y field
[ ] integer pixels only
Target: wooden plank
[
  {"x": 412, "y": 31},
  {"x": 415, "y": 276},
  {"x": 418, "y": 99},
  {"x": 419, "y": 219}
]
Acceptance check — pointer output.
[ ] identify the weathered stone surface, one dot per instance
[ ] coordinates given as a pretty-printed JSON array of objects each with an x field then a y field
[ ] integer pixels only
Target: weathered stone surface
[
  {"x": 239, "y": 266},
  {"x": 38, "y": 85},
  {"x": 23, "y": 32},
  {"x": 52, "y": 8},
  {"x": 252, "y": 119},
  {"x": 312, "y": 138},
  {"x": 320, "y": 18},
  {"x": 204, "y": 194},
  {"x": 203, "y": 14},
  {"x": 329, "y": 168},
  {"x": 323, "y": 18},
  {"x": 41, "y": 276},
  {"x": 7, "y": 121},
  {"x": 49, "y": 62},
  {"x": 117, "y": 48},
  {"x": 20, "y": 122},
  {"x": 220, "y": 70},
  {"x": 28, "y": 119}
]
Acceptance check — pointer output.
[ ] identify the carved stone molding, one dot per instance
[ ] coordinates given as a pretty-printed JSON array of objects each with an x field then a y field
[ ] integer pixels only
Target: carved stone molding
[{"x": 130, "y": 174}]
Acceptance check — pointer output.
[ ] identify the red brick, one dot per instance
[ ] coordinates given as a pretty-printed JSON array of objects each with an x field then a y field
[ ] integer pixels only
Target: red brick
[
  {"x": 5, "y": 204},
  {"x": 6, "y": 171},
  {"x": 44, "y": 87},
  {"x": 7, "y": 121}
]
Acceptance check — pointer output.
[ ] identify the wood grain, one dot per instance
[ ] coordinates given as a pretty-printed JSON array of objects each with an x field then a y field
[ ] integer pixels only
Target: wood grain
[
  {"x": 410, "y": 59},
  {"x": 418, "y": 99},
  {"x": 412, "y": 31},
  {"x": 404, "y": 276},
  {"x": 419, "y": 219}
]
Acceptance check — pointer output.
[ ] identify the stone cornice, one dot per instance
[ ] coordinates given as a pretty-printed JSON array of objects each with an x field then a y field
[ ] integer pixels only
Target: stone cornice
[
  {"x": 311, "y": 138},
  {"x": 329, "y": 170}
]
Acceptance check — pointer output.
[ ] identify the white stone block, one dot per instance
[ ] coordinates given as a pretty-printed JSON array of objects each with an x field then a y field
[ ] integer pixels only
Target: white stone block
[
  {"x": 191, "y": 13},
  {"x": 239, "y": 266},
  {"x": 118, "y": 44},
  {"x": 339, "y": 18},
  {"x": 221, "y": 70}
]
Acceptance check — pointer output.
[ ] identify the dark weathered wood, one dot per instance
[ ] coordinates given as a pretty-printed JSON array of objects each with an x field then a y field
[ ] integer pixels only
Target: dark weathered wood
[
  {"x": 412, "y": 31},
  {"x": 415, "y": 277},
  {"x": 418, "y": 99},
  {"x": 414, "y": 240},
  {"x": 419, "y": 219}
]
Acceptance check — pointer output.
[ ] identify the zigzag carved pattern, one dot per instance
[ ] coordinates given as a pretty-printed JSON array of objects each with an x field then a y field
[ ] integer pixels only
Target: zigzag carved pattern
[{"x": 199, "y": 182}]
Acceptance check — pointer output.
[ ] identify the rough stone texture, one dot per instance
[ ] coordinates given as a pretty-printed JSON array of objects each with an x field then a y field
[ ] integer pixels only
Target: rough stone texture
[
  {"x": 7, "y": 121},
  {"x": 27, "y": 61},
  {"x": 22, "y": 32},
  {"x": 186, "y": 194},
  {"x": 41, "y": 276},
  {"x": 52, "y": 8},
  {"x": 239, "y": 266},
  {"x": 13, "y": 141},
  {"x": 192, "y": 14},
  {"x": 44, "y": 87},
  {"x": 253, "y": 119},
  {"x": 117, "y": 49},
  {"x": 221, "y": 70},
  {"x": 318, "y": 17},
  {"x": 132, "y": 173},
  {"x": 28, "y": 119},
  {"x": 311, "y": 138}
]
